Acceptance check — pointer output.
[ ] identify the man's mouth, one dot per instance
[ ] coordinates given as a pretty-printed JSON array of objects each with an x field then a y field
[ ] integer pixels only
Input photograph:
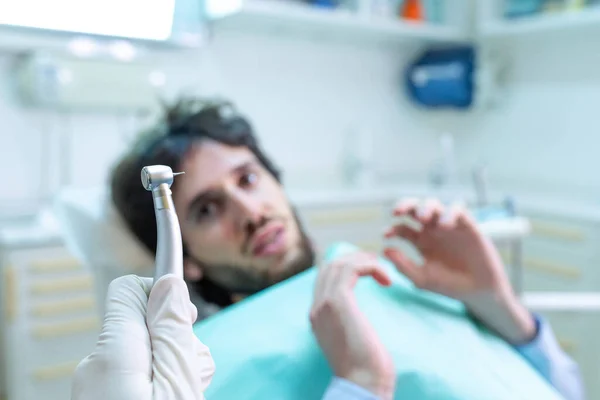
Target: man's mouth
[{"x": 269, "y": 240}]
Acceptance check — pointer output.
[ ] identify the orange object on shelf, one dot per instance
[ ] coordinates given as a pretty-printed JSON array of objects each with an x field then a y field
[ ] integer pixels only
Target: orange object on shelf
[{"x": 412, "y": 10}]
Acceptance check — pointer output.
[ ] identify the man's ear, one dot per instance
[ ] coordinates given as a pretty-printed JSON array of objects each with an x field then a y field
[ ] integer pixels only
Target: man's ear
[{"x": 192, "y": 272}]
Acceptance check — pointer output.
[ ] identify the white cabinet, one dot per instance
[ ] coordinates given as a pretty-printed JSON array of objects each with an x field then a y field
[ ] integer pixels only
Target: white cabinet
[
  {"x": 50, "y": 320},
  {"x": 562, "y": 254}
]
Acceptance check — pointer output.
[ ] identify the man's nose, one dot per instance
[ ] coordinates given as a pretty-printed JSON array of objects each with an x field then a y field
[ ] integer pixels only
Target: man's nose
[{"x": 249, "y": 211}]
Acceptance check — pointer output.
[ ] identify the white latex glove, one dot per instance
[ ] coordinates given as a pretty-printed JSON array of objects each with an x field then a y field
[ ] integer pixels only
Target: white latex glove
[{"x": 147, "y": 349}]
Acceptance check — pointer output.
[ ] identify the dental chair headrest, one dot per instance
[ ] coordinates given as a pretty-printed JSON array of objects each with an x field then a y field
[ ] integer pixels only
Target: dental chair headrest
[{"x": 95, "y": 233}]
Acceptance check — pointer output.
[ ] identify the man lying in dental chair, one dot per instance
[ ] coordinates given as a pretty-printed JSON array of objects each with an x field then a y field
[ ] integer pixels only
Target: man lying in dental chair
[{"x": 241, "y": 237}]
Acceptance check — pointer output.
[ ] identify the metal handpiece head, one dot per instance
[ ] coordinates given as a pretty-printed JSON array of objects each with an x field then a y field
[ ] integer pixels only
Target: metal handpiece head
[{"x": 155, "y": 175}]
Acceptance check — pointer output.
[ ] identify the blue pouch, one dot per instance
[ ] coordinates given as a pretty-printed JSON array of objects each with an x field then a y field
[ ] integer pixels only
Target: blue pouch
[{"x": 442, "y": 78}]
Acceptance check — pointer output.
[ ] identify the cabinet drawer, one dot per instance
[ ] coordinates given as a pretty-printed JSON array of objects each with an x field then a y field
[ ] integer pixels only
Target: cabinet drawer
[
  {"x": 49, "y": 382},
  {"x": 49, "y": 298},
  {"x": 573, "y": 238},
  {"x": 44, "y": 261},
  {"x": 549, "y": 276},
  {"x": 65, "y": 286},
  {"x": 25, "y": 299},
  {"x": 54, "y": 372},
  {"x": 560, "y": 255},
  {"x": 51, "y": 320},
  {"x": 48, "y": 308},
  {"x": 57, "y": 341},
  {"x": 554, "y": 268}
]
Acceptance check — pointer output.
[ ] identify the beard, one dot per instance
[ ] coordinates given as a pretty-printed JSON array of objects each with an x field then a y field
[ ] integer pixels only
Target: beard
[{"x": 244, "y": 281}]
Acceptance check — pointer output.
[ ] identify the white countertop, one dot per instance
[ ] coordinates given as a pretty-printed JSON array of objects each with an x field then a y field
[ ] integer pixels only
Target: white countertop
[
  {"x": 45, "y": 227},
  {"x": 564, "y": 206},
  {"x": 505, "y": 229},
  {"x": 560, "y": 301},
  {"x": 43, "y": 230}
]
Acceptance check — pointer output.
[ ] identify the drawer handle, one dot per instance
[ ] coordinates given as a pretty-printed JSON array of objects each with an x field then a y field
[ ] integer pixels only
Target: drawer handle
[
  {"x": 60, "y": 285},
  {"x": 370, "y": 246},
  {"x": 553, "y": 269},
  {"x": 68, "y": 264},
  {"x": 350, "y": 216},
  {"x": 51, "y": 308},
  {"x": 556, "y": 232},
  {"x": 56, "y": 371},
  {"x": 87, "y": 324},
  {"x": 10, "y": 294}
]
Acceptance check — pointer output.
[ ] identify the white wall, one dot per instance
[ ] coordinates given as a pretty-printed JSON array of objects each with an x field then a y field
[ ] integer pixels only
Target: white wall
[
  {"x": 544, "y": 136},
  {"x": 302, "y": 95}
]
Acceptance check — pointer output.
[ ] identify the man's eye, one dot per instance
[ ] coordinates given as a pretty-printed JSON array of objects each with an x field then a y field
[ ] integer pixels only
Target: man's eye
[
  {"x": 207, "y": 210},
  {"x": 248, "y": 179}
]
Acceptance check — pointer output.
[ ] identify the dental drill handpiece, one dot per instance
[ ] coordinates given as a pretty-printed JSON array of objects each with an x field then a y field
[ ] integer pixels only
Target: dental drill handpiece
[{"x": 169, "y": 249}]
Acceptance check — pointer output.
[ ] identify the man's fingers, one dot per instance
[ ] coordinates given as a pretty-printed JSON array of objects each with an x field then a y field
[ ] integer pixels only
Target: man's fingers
[
  {"x": 381, "y": 276},
  {"x": 178, "y": 354},
  {"x": 449, "y": 218},
  {"x": 429, "y": 212},
  {"x": 407, "y": 267},
  {"x": 406, "y": 207},
  {"x": 321, "y": 280},
  {"x": 342, "y": 275},
  {"x": 454, "y": 216},
  {"x": 336, "y": 274},
  {"x": 403, "y": 231},
  {"x": 349, "y": 271},
  {"x": 372, "y": 269}
]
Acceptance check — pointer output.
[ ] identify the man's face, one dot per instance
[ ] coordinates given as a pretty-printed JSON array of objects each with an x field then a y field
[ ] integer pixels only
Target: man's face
[{"x": 236, "y": 221}]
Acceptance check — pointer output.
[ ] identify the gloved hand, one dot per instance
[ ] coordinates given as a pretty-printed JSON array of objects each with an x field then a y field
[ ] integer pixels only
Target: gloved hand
[
  {"x": 343, "y": 332},
  {"x": 147, "y": 349}
]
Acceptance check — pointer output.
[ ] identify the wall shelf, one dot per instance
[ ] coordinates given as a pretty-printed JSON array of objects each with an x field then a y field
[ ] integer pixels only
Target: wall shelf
[
  {"x": 586, "y": 20},
  {"x": 276, "y": 17}
]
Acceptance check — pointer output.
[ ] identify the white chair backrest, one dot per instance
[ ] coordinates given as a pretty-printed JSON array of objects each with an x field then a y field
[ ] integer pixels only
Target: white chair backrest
[{"x": 96, "y": 234}]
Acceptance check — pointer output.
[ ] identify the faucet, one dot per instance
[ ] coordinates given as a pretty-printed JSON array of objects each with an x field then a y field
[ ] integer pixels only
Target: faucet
[
  {"x": 480, "y": 182},
  {"x": 438, "y": 177},
  {"x": 443, "y": 173}
]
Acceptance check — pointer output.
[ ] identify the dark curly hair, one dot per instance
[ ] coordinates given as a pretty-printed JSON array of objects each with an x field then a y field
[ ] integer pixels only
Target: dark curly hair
[{"x": 182, "y": 125}]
